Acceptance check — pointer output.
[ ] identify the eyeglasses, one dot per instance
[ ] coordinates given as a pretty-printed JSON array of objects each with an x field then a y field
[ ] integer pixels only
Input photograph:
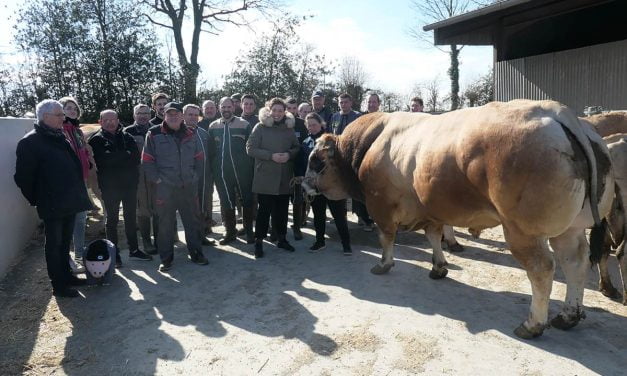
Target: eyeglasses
[{"x": 57, "y": 115}]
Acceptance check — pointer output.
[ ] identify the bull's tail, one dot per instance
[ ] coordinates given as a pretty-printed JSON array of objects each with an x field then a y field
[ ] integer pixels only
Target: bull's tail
[
  {"x": 571, "y": 123},
  {"x": 597, "y": 240}
]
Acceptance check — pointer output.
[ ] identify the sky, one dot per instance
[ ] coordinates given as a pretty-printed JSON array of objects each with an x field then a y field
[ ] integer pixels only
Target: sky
[{"x": 373, "y": 31}]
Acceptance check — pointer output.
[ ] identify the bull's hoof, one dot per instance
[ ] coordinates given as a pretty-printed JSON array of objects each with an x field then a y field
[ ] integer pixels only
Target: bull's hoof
[
  {"x": 438, "y": 274},
  {"x": 475, "y": 233},
  {"x": 381, "y": 268},
  {"x": 523, "y": 332},
  {"x": 456, "y": 248},
  {"x": 440, "y": 264},
  {"x": 610, "y": 291},
  {"x": 565, "y": 323}
]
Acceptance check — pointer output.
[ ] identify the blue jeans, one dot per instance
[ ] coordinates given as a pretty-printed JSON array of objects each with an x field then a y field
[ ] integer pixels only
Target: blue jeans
[{"x": 78, "y": 236}]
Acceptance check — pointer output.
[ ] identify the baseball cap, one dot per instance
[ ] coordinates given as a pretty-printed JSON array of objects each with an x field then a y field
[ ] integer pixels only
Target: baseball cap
[
  {"x": 173, "y": 106},
  {"x": 317, "y": 93}
]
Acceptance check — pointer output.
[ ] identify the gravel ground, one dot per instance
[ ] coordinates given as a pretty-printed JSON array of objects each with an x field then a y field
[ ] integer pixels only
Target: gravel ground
[{"x": 304, "y": 313}]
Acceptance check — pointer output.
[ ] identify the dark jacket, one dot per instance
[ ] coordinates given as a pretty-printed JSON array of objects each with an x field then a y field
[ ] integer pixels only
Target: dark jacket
[
  {"x": 300, "y": 129},
  {"x": 306, "y": 148},
  {"x": 175, "y": 158},
  {"x": 117, "y": 159},
  {"x": 251, "y": 119},
  {"x": 326, "y": 115},
  {"x": 50, "y": 174},
  {"x": 269, "y": 137},
  {"x": 156, "y": 120},
  {"x": 340, "y": 121},
  {"x": 206, "y": 122}
]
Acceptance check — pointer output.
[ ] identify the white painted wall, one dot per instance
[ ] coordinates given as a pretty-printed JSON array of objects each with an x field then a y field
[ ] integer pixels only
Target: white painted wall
[{"x": 17, "y": 218}]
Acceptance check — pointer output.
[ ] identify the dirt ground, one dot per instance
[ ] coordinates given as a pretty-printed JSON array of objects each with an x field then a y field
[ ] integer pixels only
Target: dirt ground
[{"x": 303, "y": 313}]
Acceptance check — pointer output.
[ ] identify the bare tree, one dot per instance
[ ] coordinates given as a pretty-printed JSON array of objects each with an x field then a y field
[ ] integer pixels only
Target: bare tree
[
  {"x": 352, "y": 79},
  {"x": 431, "y": 11},
  {"x": 433, "y": 98},
  {"x": 207, "y": 16}
]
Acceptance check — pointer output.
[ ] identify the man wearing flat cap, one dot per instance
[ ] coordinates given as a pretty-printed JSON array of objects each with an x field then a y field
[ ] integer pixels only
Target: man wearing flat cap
[
  {"x": 237, "y": 104},
  {"x": 173, "y": 160}
]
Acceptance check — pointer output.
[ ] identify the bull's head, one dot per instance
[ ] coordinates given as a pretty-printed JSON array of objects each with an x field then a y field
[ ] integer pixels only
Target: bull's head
[{"x": 323, "y": 173}]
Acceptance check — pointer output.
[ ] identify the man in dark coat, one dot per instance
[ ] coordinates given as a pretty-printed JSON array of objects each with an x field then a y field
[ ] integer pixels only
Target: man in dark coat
[
  {"x": 117, "y": 161},
  {"x": 50, "y": 176}
]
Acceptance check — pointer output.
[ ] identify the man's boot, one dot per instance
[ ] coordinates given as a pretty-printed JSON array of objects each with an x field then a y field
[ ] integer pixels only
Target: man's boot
[
  {"x": 228, "y": 216},
  {"x": 284, "y": 244},
  {"x": 297, "y": 213},
  {"x": 248, "y": 214}
]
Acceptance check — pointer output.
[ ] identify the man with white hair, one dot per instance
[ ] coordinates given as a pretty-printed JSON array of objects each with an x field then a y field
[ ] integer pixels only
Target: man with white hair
[
  {"x": 117, "y": 161},
  {"x": 50, "y": 176},
  {"x": 209, "y": 114},
  {"x": 303, "y": 110}
]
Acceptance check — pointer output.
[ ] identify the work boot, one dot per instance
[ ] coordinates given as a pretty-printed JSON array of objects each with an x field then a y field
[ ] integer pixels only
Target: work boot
[
  {"x": 249, "y": 216},
  {"x": 258, "y": 248},
  {"x": 198, "y": 258},
  {"x": 284, "y": 244},
  {"x": 228, "y": 216}
]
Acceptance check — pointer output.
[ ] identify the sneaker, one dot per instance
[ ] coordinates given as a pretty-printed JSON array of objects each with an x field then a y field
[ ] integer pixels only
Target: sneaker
[
  {"x": 258, "y": 250},
  {"x": 368, "y": 227},
  {"x": 165, "y": 265},
  {"x": 118, "y": 260},
  {"x": 317, "y": 246},
  {"x": 139, "y": 255},
  {"x": 198, "y": 258},
  {"x": 348, "y": 251},
  {"x": 284, "y": 244},
  {"x": 77, "y": 282},
  {"x": 65, "y": 293}
]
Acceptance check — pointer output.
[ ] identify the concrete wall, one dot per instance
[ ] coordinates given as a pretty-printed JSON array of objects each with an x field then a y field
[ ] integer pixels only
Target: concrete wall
[{"x": 17, "y": 218}]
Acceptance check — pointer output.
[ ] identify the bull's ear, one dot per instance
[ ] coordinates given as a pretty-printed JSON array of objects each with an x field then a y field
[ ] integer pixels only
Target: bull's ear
[{"x": 329, "y": 145}]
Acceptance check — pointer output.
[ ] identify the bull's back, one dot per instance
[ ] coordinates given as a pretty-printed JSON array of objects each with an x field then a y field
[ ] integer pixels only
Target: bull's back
[{"x": 476, "y": 167}]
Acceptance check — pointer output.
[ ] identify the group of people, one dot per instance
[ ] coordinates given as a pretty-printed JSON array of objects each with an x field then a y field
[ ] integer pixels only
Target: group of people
[{"x": 171, "y": 162}]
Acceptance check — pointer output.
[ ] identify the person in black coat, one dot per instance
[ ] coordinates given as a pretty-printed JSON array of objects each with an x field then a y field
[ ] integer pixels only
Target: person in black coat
[
  {"x": 117, "y": 162},
  {"x": 50, "y": 176}
]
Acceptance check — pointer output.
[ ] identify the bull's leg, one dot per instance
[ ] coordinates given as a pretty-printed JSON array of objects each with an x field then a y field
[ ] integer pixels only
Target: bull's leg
[
  {"x": 571, "y": 250},
  {"x": 534, "y": 256},
  {"x": 605, "y": 282},
  {"x": 450, "y": 240},
  {"x": 386, "y": 238},
  {"x": 622, "y": 262},
  {"x": 434, "y": 236}
]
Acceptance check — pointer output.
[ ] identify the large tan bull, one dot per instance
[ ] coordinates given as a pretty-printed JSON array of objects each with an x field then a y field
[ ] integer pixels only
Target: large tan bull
[{"x": 530, "y": 166}]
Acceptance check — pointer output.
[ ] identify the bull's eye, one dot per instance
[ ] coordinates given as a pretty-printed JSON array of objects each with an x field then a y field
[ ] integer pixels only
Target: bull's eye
[{"x": 316, "y": 164}]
